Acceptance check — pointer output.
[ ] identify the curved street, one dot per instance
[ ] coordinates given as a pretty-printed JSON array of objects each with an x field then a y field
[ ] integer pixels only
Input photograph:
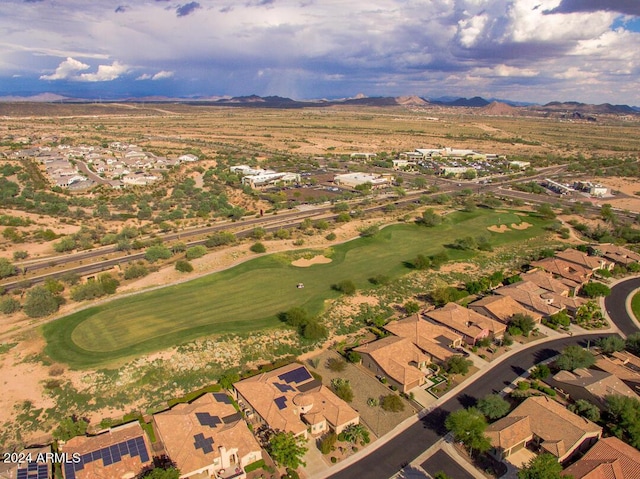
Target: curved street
[{"x": 399, "y": 451}]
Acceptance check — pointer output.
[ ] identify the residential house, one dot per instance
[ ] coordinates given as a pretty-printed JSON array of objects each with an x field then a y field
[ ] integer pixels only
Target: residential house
[
  {"x": 207, "y": 436},
  {"x": 617, "y": 254},
  {"x": 471, "y": 325},
  {"x": 609, "y": 458},
  {"x": 529, "y": 295},
  {"x": 591, "y": 385},
  {"x": 546, "y": 281},
  {"x": 564, "y": 269},
  {"x": 434, "y": 340},
  {"x": 290, "y": 399},
  {"x": 545, "y": 424},
  {"x": 502, "y": 308},
  {"x": 39, "y": 467},
  {"x": 583, "y": 259},
  {"x": 398, "y": 359},
  {"x": 623, "y": 365},
  {"x": 122, "y": 451}
]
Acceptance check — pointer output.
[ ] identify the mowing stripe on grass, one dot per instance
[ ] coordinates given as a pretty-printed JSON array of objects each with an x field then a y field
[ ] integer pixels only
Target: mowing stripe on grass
[{"x": 249, "y": 296}]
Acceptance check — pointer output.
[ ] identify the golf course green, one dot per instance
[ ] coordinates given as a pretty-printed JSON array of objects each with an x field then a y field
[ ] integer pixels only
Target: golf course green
[{"x": 249, "y": 296}]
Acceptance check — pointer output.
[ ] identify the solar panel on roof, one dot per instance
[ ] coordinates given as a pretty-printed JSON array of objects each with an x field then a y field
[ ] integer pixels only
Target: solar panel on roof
[
  {"x": 283, "y": 388},
  {"x": 222, "y": 398},
  {"x": 206, "y": 419},
  {"x": 110, "y": 455},
  {"x": 43, "y": 471},
  {"x": 69, "y": 471},
  {"x": 22, "y": 474},
  {"x": 204, "y": 443},
  {"x": 281, "y": 402},
  {"x": 32, "y": 466},
  {"x": 296, "y": 376}
]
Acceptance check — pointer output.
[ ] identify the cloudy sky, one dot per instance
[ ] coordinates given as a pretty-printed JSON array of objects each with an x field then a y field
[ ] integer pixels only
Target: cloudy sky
[{"x": 525, "y": 50}]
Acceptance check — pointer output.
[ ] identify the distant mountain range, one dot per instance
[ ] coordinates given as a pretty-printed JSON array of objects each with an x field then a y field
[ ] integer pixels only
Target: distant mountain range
[{"x": 571, "y": 110}]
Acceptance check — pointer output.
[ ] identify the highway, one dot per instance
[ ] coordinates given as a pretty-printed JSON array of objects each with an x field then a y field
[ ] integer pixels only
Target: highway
[
  {"x": 395, "y": 454},
  {"x": 90, "y": 261}
]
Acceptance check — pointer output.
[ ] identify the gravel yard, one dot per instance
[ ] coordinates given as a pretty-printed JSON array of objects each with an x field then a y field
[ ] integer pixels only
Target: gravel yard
[{"x": 364, "y": 386}]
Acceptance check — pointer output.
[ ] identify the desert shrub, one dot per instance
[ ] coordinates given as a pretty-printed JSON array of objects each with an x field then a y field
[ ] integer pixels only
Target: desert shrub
[
  {"x": 135, "y": 271},
  {"x": 258, "y": 247},
  {"x": 9, "y": 305},
  {"x": 184, "y": 266},
  {"x": 195, "y": 252}
]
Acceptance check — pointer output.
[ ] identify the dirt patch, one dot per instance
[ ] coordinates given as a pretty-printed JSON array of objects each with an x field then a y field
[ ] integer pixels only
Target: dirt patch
[
  {"x": 521, "y": 226},
  {"x": 498, "y": 229},
  {"x": 305, "y": 263}
]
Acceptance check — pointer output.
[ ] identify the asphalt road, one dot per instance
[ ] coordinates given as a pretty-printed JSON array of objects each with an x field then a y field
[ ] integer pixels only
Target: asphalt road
[
  {"x": 404, "y": 448},
  {"x": 615, "y": 304}
]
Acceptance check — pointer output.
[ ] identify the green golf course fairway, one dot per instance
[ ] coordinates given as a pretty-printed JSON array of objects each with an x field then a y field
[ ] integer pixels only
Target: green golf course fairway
[{"x": 249, "y": 296}]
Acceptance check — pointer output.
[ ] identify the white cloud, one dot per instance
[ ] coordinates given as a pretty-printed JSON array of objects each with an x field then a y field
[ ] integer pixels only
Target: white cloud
[
  {"x": 105, "y": 73},
  {"x": 66, "y": 70},
  {"x": 144, "y": 76},
  {"x": 162, "y": 75}
]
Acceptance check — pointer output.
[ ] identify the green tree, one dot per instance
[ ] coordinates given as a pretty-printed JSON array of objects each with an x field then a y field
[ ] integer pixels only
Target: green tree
[
  {"x": 623, "y": 418},
  {"x": 40, "y": 302},
  {"x": 227, "y": 379},
  {"x": 441, "y": 475},
  {"x": 328, "y": 442},
  {"x": 220, "y": 239},
  {"x": 108, "y": 283},
  {"x": 421, "y": 262},
  {"x": 468, "y": 427},
  {"x": 160, "y": 473},
  {"x": 345, "y": 286},
  {"x": 543, "y": 466},
  {"x": 295, "y": 317},
  {"x": 546, "y": 211},
  {"x": 541, "y": 371},
  {"x": 632, "y": 344},
  {"x": 392, "y": 403},
  {"x": 287, "y": 450},
  {"x": 594, "y": 290},
  {"x": 342, "y": 388},
  {"x": 6, "y": 268},
  {"x": 611, "y": 344},
  {"x": 574, "y": 357},
  {"x": 258, "y": 233},
  {"x": 522, "y": 322},
  {"x": 157, "y": 252},
  {"x": 65, "y": 244},
  {"x": 313, "y": 330},
  {"x": 561, "y": 318},
  {"x": 184, "y": 266},
  {"x": 586, "y": 409},
  {"x": 411, "y": 307},
  {"x": 54, "y": 286},
  {"x": 430, "y": 218},
  {"x": 70, "y": 427},
  {"x": 457, "y": 365},
  {"x": 354, "y": 357},
  {"x": 493, "y": 406}
]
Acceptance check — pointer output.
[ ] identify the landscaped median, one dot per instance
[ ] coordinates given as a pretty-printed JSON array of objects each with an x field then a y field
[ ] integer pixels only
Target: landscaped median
[{"x": 248, "y": 297}]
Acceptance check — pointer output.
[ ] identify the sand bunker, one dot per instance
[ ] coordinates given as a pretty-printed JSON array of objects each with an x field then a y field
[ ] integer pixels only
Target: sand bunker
[
  {"x": 498, "y": 229},
  {"x": 521, "y": 226},
  {"x": 305, "y": 263}
]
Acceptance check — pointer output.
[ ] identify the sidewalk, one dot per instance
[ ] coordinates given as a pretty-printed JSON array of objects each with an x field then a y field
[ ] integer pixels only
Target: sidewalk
[{"x": 516, "y": 348}]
